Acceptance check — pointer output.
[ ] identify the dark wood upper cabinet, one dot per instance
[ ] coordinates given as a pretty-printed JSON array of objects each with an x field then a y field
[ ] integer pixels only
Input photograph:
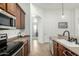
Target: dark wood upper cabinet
[
  {"x": 11, "y": 8},
  {"x": 18, "y": 14},
  {"x": 3, "y": 6},
  {"x": 22, "y": 20}
]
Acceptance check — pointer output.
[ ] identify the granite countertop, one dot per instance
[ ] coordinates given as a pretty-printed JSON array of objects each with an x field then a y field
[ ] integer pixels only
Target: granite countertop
[
  {"x": 24, "y": 39},
  {"x": 69, "y": 45},
  {"x": 16, "y": 39}
]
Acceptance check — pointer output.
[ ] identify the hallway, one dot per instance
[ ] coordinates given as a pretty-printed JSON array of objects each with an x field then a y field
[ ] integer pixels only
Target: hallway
[{"x": 40, "y": 49}]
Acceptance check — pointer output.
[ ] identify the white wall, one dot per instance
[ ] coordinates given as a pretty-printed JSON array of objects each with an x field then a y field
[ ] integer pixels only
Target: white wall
[
  {"x": 13, "y": 33},
  {"x": 76, "y": 11},
  {"x": 51, "y": 19}
]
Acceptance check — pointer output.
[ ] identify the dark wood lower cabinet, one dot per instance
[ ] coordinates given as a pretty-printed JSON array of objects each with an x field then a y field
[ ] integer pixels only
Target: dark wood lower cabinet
[
  {"x": 60, "y": 50},
  {"x": 26, "y": 50},
  {"x": 55, "y": 47}
]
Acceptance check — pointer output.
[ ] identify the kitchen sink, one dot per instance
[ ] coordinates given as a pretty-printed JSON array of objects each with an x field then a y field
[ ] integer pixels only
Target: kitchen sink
[{"x": 67, "y": 43}]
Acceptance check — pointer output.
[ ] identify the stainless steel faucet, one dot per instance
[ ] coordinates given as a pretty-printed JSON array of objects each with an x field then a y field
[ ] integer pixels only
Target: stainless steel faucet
[{"x": 68, "y": 34}]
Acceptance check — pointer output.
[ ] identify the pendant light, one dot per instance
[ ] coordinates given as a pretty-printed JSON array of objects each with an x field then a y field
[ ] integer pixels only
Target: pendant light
[{"x": 62, "y": 11}]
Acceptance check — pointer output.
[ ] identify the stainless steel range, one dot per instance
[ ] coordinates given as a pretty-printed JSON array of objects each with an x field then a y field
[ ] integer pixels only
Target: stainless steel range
[{"x": 8, "y": 49}]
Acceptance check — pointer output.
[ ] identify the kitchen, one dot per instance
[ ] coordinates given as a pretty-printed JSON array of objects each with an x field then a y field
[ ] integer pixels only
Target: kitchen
[{"x": 56, "y": 29}]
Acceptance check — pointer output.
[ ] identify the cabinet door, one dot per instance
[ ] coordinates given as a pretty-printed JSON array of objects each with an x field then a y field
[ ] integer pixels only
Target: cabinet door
[
  {"x": 22, "y": 20},
  {"x": 60, "y": 50},
  {"x": 28, "y": 46},
  {"x": 26, "y": 49},
  {"x": 3, "y": 6},
  {"x": 11, "y": 8},
  {"x": 18, "y": 14},
  {"x": 55, "y": 48}
]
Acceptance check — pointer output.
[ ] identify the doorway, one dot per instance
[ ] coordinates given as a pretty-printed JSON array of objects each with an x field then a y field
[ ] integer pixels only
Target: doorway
[{"x": 35, "y": 28}]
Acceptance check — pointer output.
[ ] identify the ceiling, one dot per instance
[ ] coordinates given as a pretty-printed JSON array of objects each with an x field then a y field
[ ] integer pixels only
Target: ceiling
[{"x": 56, "y": 5}]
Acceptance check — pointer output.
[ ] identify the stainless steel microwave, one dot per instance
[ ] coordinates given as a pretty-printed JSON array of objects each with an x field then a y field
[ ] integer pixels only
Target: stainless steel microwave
[{"x": 7, "y": 21}]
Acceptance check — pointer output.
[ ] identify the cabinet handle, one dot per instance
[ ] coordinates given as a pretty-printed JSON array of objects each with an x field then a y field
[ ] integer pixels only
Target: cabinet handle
[{"x": 66, "y": 51}]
